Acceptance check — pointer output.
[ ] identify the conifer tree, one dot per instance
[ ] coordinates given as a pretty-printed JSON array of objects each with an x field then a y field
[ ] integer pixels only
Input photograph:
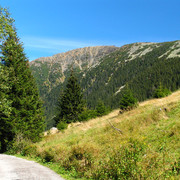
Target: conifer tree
[
  {"x": 5, "y": 110},
  {"x": 101, "y": 109},
  {"x": 161, "y": 91},
  {"x": 128, "y": 101},
  {"x": 71, "y": 102},
  {"x": 26, "y": 113}
]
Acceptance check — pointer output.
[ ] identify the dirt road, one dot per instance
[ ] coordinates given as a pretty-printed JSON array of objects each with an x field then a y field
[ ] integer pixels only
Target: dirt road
[{"x": 13, "y": 168}]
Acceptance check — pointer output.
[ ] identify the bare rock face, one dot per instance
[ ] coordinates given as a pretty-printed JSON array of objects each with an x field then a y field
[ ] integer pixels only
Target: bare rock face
[
  {"x": 52, "y": 69},
  {"x": 82, "y": 57},
  {"x": 88, "y": 56}
]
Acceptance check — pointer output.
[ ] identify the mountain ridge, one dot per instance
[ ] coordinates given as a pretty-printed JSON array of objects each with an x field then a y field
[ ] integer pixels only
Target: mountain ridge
[
  {"x": 94, "y": 52},
  {"x": 58, "y": 64},
  {"x": 104, "y": 71}
]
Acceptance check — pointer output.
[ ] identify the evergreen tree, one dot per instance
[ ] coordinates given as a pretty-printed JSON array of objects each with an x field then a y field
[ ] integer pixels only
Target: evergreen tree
[
  {"x": 71, "y": 102},
  {"x": 5, "y": 109},
  {"x": 26, "y": 113},
  {"x": 161, "y": 92},
  {"x": 6, "y": 24},
  {"x": 5, "y": 105},
  {"x": 101, "y": 109},
  {"x": 128, "y": 101}
]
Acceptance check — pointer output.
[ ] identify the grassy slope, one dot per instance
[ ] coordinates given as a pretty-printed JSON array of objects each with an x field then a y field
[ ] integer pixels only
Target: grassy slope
[{"x": 149, "y": 147}]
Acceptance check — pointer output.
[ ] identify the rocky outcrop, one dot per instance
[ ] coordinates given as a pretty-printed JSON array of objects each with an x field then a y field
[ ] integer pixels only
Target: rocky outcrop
[{"x": 82, "y": 57}]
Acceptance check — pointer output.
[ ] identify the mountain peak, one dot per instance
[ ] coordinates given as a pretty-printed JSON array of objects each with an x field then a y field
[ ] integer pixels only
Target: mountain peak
[{"x": 89, "y": 54}]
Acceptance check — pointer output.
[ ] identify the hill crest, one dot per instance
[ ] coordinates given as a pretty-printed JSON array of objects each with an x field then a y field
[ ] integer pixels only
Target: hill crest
[{"x": 80, "y": 56}]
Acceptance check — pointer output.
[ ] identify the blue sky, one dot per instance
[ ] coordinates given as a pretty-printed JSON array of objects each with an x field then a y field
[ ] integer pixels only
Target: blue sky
[{"x": 47, "y": 27}]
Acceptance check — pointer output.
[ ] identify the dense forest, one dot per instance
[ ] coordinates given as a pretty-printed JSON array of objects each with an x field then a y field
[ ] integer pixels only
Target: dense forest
[{"x": 142, "y": 74}]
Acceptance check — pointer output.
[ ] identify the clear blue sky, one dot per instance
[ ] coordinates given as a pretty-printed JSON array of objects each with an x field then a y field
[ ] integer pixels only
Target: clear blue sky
[{"x": 47, "y": 27}]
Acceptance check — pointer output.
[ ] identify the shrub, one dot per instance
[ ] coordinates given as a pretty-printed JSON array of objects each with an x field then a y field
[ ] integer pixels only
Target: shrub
[
  {"x": 47, "y": 155},
  {"x": 122, "y": 164},
  {"x": 62, "y": 125},
  {"x": 92, "y": 113},
  {"x": 29, "y": 150},
  {"x": 18, "y": 145},
  {"x": 161, "y": 92},
  {"x": 80, "y": 159},
  {"x": 87, "y": 114}
]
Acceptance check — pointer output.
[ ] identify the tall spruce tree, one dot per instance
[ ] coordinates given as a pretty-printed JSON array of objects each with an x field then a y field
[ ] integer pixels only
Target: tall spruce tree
[
  {"x": 71, "y": 103},
  {"x": 128, "y": 101},
  {"x": 26, "y": 114},
  {"x": 5, "y": 109}
]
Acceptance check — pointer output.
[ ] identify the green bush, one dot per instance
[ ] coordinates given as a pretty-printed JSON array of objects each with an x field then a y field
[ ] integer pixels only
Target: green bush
[
  {"x": 80, "y": 159},
  {"x": 62, "y": 125},
  {"x": 29, "y": 150},
  {"x": 47, "y": 155},
  {"x": 92, "y": 113},
  {"x": 18, "y": 144},
  {"x": 122, "y": 164},
  {"x": 87, "y": 114},
  {"x": 161, "y": 92}
]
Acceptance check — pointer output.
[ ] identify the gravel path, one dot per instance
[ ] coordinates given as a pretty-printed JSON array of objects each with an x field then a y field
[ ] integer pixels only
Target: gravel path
[{"x": 13, "y": 168}]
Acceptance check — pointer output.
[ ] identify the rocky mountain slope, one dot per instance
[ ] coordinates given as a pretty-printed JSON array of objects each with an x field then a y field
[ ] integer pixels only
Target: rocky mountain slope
[
  {"x": 105, "y": 71},
  {"x": 50, "y": 71}
]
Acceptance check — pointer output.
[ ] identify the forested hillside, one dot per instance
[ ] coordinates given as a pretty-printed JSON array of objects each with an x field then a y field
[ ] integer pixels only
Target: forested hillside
[{"x": 140, "y": 66}]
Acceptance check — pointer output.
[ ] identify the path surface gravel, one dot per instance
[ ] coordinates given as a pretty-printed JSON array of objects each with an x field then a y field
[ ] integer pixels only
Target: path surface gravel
[{"x": 13, "y": 168}]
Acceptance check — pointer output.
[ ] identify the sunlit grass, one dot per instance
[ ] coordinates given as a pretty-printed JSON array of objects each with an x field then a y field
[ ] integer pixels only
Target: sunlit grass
[{"x": 151, "y": 132}]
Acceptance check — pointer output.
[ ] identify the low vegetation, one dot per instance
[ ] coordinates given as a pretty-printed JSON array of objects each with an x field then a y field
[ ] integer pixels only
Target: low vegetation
[{"x": 148, "y": 146}]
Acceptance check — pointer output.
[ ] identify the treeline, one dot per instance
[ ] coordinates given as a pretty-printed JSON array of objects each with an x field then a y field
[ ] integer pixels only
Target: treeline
[{"x": 21, "y": 114}]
